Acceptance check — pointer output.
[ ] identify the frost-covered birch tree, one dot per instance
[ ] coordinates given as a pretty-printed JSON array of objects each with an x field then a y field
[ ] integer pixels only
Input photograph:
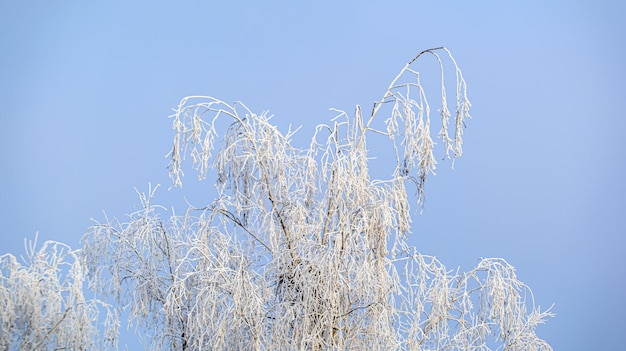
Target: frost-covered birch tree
[
  {"x": 302, "y": 248},
  {"x": 43, "y": 305}
]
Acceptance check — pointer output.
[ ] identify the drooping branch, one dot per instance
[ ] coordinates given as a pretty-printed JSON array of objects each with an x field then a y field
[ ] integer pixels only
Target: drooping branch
[{"x": 43, "y": 302}]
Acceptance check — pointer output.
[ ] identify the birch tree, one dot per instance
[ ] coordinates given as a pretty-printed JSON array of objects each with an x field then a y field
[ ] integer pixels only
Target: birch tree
[{"x": 302, "y": 248}]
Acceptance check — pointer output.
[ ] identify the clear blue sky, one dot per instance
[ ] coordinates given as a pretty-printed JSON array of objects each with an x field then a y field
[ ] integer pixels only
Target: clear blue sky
[{"x": 85, "y": 91}]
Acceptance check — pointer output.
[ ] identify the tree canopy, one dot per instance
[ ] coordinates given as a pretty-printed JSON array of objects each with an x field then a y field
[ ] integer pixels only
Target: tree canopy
[{"x": 302, "y": 248}]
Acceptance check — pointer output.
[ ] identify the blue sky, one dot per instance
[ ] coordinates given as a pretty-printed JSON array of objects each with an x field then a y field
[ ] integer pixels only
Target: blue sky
[{"x": 86, "y": 88}]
